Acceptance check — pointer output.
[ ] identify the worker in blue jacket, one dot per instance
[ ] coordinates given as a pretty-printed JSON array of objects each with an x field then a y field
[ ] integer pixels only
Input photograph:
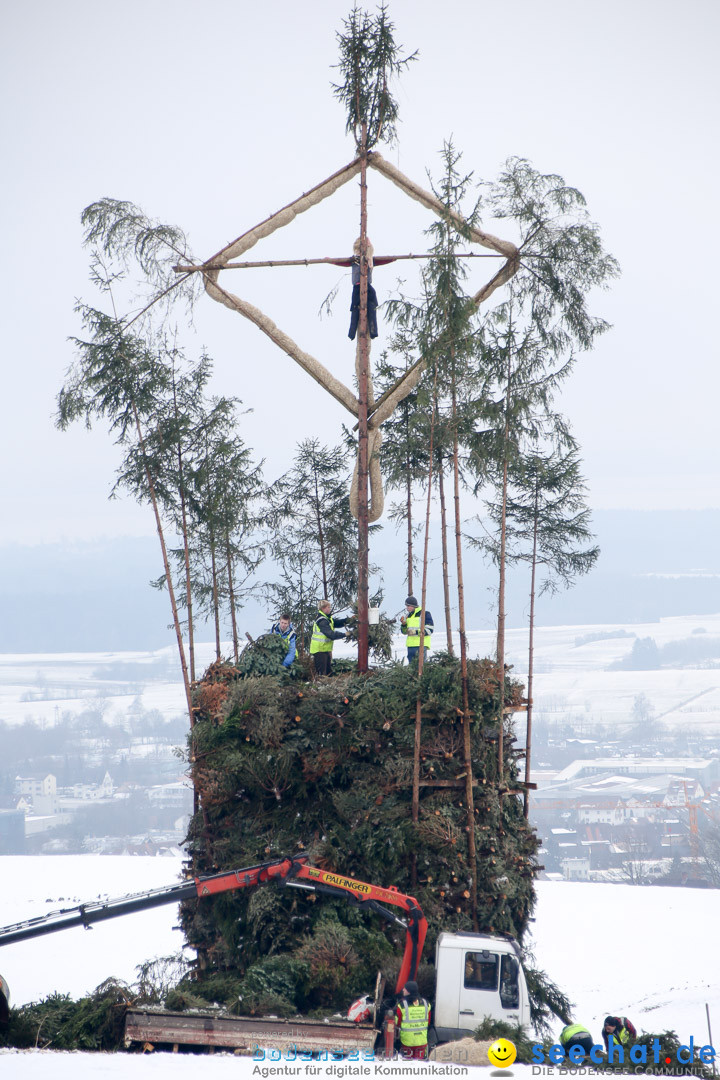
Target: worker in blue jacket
[{"x": 286, "y": 630}]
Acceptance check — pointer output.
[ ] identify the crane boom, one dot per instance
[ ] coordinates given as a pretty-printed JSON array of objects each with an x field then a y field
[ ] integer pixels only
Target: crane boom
[{"x": 292, "y": 870}]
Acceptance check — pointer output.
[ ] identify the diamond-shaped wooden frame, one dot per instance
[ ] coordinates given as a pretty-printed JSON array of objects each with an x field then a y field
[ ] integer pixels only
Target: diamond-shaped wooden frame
[{"x": 384, "y": 408}]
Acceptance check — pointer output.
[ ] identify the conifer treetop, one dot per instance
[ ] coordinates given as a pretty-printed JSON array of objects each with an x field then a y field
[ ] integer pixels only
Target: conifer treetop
[{"x": 369, "y": 60}]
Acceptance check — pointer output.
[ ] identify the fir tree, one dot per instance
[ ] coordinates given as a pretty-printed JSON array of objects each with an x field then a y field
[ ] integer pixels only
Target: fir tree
[
  {"x": 170, "y": 438},
  {"x": 532, "y": 338},
  {"x": 404, "y": 458},
  {"x": 227, "y": 512},
  {"x": 117, "y": 377},
  {"x": 132, "y": 249},
  {"x": 313, "y": 538},
  {"x": 519, "y": 388},
  {"x": 547, "y": 527},
  {"x": 441, "y": 324}
]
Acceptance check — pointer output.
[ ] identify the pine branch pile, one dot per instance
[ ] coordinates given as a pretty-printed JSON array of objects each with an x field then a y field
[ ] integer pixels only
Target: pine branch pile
[
  {"x": 283, "y": 765},
  {"x": 93, "y": 1022}
]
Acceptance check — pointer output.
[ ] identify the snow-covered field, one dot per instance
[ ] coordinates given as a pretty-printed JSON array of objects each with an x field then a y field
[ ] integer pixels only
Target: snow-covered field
[
  {"x": 75, "y": 961},
  {"x": 650, "y": 953},
  {"x": 571, "y": 680},
  {"x": 43, "y": 686}
]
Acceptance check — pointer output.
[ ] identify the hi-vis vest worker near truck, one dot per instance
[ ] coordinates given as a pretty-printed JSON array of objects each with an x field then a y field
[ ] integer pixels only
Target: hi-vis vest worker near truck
[
  {"x": 576, "y": 1035},
  {"x": 413, "y": 1019},
  {"x": 323, "y": 636},
  {"x": 410, "y": 625}
]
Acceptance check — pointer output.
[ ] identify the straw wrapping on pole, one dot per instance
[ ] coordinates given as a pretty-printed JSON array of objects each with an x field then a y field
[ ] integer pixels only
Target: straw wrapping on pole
[{"x": 287, "y": 213}]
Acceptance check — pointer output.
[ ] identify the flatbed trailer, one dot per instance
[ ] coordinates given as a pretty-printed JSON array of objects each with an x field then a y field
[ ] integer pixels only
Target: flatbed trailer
[{"x": 159, "y": 1027}]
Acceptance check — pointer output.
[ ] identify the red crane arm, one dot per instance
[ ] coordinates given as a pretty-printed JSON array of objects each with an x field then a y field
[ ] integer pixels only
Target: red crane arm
[
  {"x": 295, "y": 871},
  {"x": 291, "y": 871}
]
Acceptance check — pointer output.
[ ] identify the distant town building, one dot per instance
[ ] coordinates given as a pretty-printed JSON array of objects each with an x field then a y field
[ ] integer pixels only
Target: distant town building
[
  {"x": 602, "y": 815},
  {"x": 37, "y": 794},
  {"x": 36, "y": 785},
  {"x": 178, "y": 795},
  {"x": 104, "y": 790},
  {"x": 576, "y": 869},
  {"x": 705, "y": 770}
]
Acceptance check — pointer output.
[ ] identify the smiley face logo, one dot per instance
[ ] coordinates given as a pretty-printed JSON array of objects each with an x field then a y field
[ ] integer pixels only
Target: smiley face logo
[{"x": 502, "y": 1053}]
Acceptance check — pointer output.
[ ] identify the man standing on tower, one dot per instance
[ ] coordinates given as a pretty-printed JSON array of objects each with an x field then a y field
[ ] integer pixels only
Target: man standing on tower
[
  {"x": 410, "y": 625},
  {"x": 323, "y": 636}
]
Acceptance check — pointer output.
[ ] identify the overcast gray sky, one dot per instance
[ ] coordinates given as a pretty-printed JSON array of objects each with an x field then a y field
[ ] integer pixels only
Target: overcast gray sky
[{"x": 213, "y": 115}]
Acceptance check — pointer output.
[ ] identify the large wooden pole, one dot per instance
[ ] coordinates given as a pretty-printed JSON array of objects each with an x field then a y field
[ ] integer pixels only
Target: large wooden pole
[{"x": 363, "y": 420}]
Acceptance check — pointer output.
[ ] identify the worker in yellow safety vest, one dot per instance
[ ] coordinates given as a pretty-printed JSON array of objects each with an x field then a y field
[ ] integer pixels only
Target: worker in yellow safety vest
[
  {"x": 323, "y": 636},
  {"x": 410, "y": 625},
  {"x": 576, "y": 1035},
  {"x": 413, "y": 1020}
]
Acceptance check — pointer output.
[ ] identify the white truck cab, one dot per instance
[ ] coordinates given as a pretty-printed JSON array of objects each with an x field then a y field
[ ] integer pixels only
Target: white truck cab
[{"x": 478, "y": 975}]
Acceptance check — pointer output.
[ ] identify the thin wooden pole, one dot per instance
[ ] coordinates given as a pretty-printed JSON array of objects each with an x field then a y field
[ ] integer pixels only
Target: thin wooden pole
[
  {"x": 166, "y": 565},
  {"x": 408, "y": 493},
  {"x": 462, "y": 633},
  {"x": 186, "y": 549},
  {"x": 531, "y": 659},
  {"x": 421, "y": 650},
  {"x": 409, "y": 535},
  {"x": 363, "y": 533},
  {"x": 445, "y": 560},
  {"x": 215, "y": 594},
  {"x": 326, "y": 260},
  {"x": 501, "y": 585},
  {"x": 231, "y": 595}
]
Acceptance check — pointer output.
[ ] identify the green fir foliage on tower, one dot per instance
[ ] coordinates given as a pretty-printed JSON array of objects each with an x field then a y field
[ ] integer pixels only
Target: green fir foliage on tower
[{"x": 282, "y": 765}]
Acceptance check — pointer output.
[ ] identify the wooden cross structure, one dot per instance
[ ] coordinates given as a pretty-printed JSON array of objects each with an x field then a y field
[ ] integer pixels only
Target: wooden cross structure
[{"x": 366, "y": 494}]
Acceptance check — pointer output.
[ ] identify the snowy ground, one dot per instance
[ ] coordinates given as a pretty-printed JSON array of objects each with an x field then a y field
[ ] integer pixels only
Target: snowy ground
[
  {"x": 571, "y": 680},
  {"x": 75, "y": 961},
  {"x": 649, "y": 953}
]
